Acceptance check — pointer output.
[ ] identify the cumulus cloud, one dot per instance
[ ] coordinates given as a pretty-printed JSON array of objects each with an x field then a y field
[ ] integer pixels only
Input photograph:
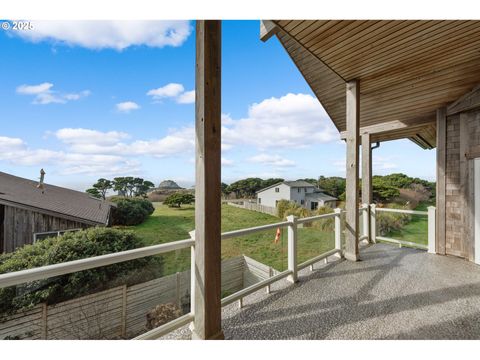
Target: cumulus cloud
[
  {"x": 43, "y": 94},
  {"x": 380, "y": 164},
  {"x": 173, "y": 91},
  {"x": 117, "y": 35},
  {"x": 17, "y": 152},
  {"x": 226, "y": 162},
  {"x": 291, "y": 121},
  {"x": 127, "y": 106},
  {"x": 272, "y": 160}
]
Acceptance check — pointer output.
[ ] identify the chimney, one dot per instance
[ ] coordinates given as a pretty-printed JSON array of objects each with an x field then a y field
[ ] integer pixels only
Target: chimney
[{"x": 42, "y": 177}]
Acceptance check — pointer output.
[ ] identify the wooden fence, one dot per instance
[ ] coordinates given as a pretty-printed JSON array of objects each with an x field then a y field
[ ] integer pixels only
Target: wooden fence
[
  {"x": 254, "y": 207},
  {"x": 120, "y": 312}
]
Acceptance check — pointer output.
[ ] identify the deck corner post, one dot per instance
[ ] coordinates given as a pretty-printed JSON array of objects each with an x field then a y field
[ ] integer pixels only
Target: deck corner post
[
  {"x": 431, "y": 229},
  {"x": 373, "y": 223},
  {"x": 292, "y": 248},
  {"x": 366, "y": 222},
  {"x": 207, "y": 265},
  {"x": 338, "y": 230},
  {"x": 352, "y": 171}
]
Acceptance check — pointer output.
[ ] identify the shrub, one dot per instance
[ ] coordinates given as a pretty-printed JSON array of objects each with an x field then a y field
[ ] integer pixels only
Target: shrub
[
  {"x": 325, "y": 224},
  {"x": 179, "y": 198},
  {"x": 388, "y": 222},
  {"x": 131, "y": 211},
  {"x": 68, "y": 247},
  {"x": 162, "y": 314}
]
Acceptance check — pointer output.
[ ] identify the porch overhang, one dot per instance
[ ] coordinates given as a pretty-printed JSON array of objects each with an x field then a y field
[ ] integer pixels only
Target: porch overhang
[{"x": 407, "y": 69}]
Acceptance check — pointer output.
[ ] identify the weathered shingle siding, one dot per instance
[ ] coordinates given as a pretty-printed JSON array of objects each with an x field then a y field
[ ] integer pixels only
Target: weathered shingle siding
[
  {"x": 456, "y": 204},
  {"x": 453, "y": 243}
]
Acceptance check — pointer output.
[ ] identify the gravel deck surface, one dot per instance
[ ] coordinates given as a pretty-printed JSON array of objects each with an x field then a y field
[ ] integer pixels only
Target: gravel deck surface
[{"x": 393, "y": 293}]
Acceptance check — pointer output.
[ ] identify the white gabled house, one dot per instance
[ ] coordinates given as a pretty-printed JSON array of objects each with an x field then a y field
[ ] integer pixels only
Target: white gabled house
[{"x": 300, "y": 192}]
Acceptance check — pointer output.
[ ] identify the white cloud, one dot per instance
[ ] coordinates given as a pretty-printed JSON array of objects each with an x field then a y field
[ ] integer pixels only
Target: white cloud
[
  {"x": 15, "y": 151},
  {"x": 173, "y": 91},
  {"x": 188, "y": 97},
  {"x": 116, "y": 35},
  {"x": 272, "y": 160},
  {"x": 291, "y": 121},
  {"x": 34, "y": 89},
  {"x": 127, "y": 106},
  {"x": 226, "y": 162},
  {"x": 380, "y": 165},
  {"x": 43, "y": 94}
]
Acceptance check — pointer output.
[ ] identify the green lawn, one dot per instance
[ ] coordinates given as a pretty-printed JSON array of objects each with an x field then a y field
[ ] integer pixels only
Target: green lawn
[
  {"x": 416, "y": 231},
  {"x": 171, "y": 224}
]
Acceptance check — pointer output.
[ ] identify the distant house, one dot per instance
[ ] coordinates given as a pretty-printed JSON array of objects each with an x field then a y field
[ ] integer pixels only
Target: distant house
[
  {"x": 299, "y": 192},
  {"x": 29, "y": 209}
]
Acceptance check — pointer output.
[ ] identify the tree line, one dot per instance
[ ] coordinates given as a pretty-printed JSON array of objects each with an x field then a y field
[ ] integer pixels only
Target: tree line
[
  {"x": 385, "y": 188},
  {"x": 127, "y": 186}
]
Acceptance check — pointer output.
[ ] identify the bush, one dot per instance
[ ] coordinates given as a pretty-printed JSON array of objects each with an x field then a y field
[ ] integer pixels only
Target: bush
[
  {"x": 325, "y": 224},
  {"x": 388, "y": 222},
  {"x": 179, "y": 198},
  {"x": 68, "y": 247},
  {"x": 162, "y": 314},
  {"x": 131, "y": 211}
]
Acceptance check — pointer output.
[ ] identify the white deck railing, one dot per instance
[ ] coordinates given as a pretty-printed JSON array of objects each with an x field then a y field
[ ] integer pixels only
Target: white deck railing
[
  {"x": 430, "y": 214},
  {"x": 24, "y": 276}
]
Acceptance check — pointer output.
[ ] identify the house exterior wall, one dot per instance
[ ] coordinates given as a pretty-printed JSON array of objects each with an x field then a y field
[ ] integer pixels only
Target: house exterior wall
[
  {"x": 269, "y": 197},
  {"x": 462, "y": 133},
  {"x": 298, "y": 194},
  {"x": 19, "y": 225}
]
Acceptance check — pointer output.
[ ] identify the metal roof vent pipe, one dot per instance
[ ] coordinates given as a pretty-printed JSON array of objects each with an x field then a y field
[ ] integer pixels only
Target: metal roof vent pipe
[{"x": 42, "y": 178}]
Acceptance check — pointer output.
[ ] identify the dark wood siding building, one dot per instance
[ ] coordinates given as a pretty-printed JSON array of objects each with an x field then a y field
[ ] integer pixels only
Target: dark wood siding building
[{"x": 26, "y": 210}]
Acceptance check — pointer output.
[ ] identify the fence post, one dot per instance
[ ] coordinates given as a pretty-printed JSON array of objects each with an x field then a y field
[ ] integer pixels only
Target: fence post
[
  {"x": 192, "y": 280},
  {"x": 373, "y": 223},
  {"x": 177, "y": 289},
  {"x": 124, "y": 312},
  {"x": 338, "y": 230},
  {"x": 292, "y": 248},
  {"x": 366, "y": 221},
  {"x": 431, "y": 229},
  {"x": 44, "y": 321}
]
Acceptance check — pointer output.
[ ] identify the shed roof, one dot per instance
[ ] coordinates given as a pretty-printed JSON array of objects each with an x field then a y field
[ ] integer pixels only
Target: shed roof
[
  {"x": 19, "y": 191},
  {"x": 407, "y": 69},
  {"x": 320, "y": 196}
]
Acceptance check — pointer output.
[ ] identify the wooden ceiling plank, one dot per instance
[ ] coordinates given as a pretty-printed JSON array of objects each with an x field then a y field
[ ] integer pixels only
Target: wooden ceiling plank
[{"x": 391, "y": 59}]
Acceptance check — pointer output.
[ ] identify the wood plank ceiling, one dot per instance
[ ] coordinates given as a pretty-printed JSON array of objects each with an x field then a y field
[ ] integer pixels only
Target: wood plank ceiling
[{"x": 407, "y": 69}]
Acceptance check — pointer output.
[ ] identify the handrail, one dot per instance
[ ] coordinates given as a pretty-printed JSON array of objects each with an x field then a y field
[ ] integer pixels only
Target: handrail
[
  {"x": 242, "y": 232},
  {"x": 23, "y": 276},
  {"x": 403, "y": 211},
  {"x": 316, "y": 217}
]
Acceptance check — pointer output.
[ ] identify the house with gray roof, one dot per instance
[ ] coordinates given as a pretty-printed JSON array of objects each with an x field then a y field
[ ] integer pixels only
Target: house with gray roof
[
  {"x": 300, "y": 192},
  {"x": 29, "y": 209}
]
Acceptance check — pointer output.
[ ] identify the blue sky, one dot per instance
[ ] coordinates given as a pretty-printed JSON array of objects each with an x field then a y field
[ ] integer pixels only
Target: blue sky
[{"x": 92, "y": 99}]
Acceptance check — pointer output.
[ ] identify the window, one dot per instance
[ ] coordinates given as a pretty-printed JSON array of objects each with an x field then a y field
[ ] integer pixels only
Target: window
[
  {"x": 277, "y": 189},
  {"x": 299, "y": 190},
  {"x": 302, "y": 202},
  {"x": 259, "y": 200},
  {"x": 314, "y": 205}
]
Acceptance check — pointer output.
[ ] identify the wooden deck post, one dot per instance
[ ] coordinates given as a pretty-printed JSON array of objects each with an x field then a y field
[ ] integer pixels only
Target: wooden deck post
[
  {"x": 441, "y": 190},
  {"x": 353, "y": 128},
  {"x": 207, "y": 324},
  {"x": 431, "y": 229},
  {"x": 367, "y": 197}
]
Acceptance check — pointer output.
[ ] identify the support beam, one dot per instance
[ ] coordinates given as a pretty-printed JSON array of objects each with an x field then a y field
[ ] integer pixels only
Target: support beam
[
  {"x": 366, "y": 169},
  {"x": 469, "y": 101},
  {"x": 352, "y": 204},
  {"x": 207, "y": 324},
  {"x": 267, "y": 29},
  {"x": 395, "y": 125},
  {"x": 441, "y": 167}
]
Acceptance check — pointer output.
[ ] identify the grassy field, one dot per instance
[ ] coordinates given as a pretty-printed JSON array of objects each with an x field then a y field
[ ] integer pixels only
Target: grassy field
[
  {"x": 416, "y": 230},
  {"x": 171, "y": 224}
]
